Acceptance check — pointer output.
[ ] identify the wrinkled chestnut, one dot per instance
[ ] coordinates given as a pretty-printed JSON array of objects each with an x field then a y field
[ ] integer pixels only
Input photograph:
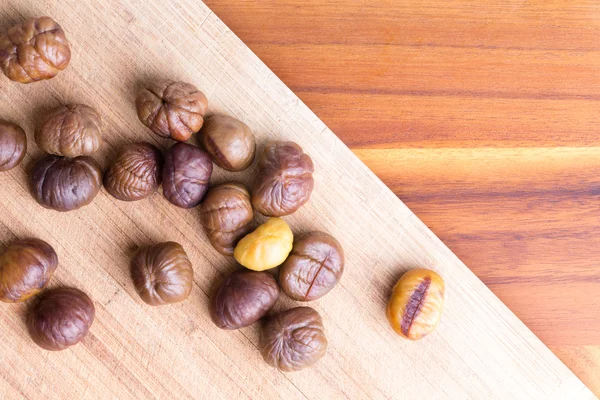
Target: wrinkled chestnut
[
  {"x": 244, "y": 298},
  {"x": 162, "y": 274},
  {"x": 226, "y": 215},
  {"x": 33, "y": 51},
  {"x": 229, "y": 142},
  {"x": 416, "y": 304},
  {"x": 186, "y": 175},
  {"x": 172, "y": 109},
  {"x": 136, "y": 172},
  {"x": 25, "y": 269},
  {"x": 65, "y": 184},
  {"x": 293, "y": 340},
  {"x": 13, "y": 145},
  {"x": 313, "y": 268},
  {"x": 284, "y": 181},
  {"x": 265, "y": 248},
  {"x": 70, "y": 131}
]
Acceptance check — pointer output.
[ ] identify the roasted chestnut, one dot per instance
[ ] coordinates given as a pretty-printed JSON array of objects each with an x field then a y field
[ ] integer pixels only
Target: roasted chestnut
[
  {"x": 136, "y": 172},
  {"x": 172, "y": 109},
  {"x": 293, "y": 340},
  {"x": 35, "y": 50},
  {"x": 13, "y": 145},
  {"x": 162, "y": 274},
  {"x": 70, "y": 131},
  {"x": 25, "y": 269},
  {"x": 186, "y": 175},
  {"x": 226, "y": 215},
  {"x": 265, "y": 248},
  {"x": 229, "y": 142},
  {"x": 284, "y": 181},
  {"x": 65, "y": 184},
  {"x": 61, "y": 318},
  {"x": 243, "y": 298}
]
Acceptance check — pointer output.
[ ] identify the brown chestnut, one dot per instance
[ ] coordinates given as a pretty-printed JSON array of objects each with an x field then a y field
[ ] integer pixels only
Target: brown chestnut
[
  {"x": 136, "y": 172},
  {"x": 25, "y": 269},
  {"x": 162, "y": 274},
  {"x": 70, "y": 131},
  {"x": 13, "y": 145},
  {"x": 35, "y": 50},
  {"x": 186, "y": 175},
  {"x": 61, "y": 318},
  {"x": 65, "y": 184},
  {"x": 172, "y": 109},
  {"x": 226, "y": 215},
  {"x": 284, "y": 181},
  {"x": 293, "y": 340},
  {"x": 229, "y": 142}
]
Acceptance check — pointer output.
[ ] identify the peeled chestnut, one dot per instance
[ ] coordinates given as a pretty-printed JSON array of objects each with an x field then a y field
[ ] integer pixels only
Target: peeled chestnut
[
  {"x": 266, "y": 247},
  {"x": 243, "y": 298},
  {"x": 162, "y": 274},
  {"x": 229, "y": 142},
  {"x": 172, "y": 109},
  {"x": 293, "y": 340},
  {"x": 25, "y": 269},
  {"x": 13, "y": 145},
  {"x": 136, "y": 172},
  {"x": 186, "y": 175},
  {"x": 65, "y": 184}
]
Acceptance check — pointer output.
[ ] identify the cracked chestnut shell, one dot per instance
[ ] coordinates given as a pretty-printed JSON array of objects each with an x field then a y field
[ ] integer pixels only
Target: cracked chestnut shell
[
  {"x": 61, "y": 318},
  {"x": 229, "y": 142},
  {"x": 65, "y": 184},
  {"x": 13, "y": 145},
  {"x": 162, "y": 274},
  {"x": 186, "y": 175},
  {"x": 293, "y": 340},
  {"x": 33, "y": 51},
  {"x": 313, "y": 268},
  {"x": 172, "y": 109},
  {"x": 243, "y": 298},
  {"x": 226, "y": 215},
  {"x": 416, "y": 304},
  {"x": 72, "y": 130},
  {"x": 284, "y": 182},
  {"x": 25, "y": 269},
  {"x": 136, "y": 172}
]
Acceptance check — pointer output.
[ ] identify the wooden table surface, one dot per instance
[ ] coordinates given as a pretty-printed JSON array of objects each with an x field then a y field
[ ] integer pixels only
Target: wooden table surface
[{"x": 482, "y": 117}]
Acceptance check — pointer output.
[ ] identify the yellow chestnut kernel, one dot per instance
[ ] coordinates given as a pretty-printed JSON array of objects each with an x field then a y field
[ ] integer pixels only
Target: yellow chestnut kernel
[{"x": 267, "y": 247}]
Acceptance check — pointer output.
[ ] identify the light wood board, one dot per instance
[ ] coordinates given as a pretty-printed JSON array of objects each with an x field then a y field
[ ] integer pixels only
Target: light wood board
[{"x": 480, "y": 350}]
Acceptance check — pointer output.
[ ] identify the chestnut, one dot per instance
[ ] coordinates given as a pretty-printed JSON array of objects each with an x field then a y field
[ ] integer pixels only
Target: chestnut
[
  {"x": 172, "y": 109},
  {"x": 25, "y": 269},
  {"x": 35, "y": 50},
  {"x": 13, "y": 145},
  {"x": 186, "y": 175},
  {"x": 136, "y": 172},
  {"x": 266, "y": 247},
  {"x": 61, "y": 318},
  {"x": 65, "y": 184},
  {"x": 284, "y": 182},
  {"x": 162, "y": 274},
  {"x": 229, "y": 142}
]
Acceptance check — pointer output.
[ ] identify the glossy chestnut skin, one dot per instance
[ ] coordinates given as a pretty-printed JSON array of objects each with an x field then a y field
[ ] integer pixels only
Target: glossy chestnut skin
[
  {"x": 162, "y": 274},
  {"x": 13, "y": 145},
  {"x": 25, "y": 269},
  {"x": 243, "y": 298},
  {"x": 136, "y": 172},
  {"x": 172, "y": 109},
  {"x": 284, "y": 182},
  {"x": 229, "y": 142},
  {"x": 33, "y": 51},
  {"x": 65, "y": 184},
  {"x": 293, "y": 340},
  {"x": 186, "y": 175},
  {"x": 313, "y": 268},
  {"x": 70, "y": 131},
  {"x": 226, "y": 215}
]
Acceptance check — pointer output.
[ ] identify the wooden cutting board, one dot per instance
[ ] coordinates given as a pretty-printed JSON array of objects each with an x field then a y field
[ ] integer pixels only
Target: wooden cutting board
[{"x": 480, "y": 350}]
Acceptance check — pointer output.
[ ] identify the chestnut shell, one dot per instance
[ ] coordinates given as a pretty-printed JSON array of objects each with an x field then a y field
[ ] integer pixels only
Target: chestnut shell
[
  {"x": 13, "y": 145},
  {"x": 186, "y": 175},
  {"x": 229, "y": 142}
]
